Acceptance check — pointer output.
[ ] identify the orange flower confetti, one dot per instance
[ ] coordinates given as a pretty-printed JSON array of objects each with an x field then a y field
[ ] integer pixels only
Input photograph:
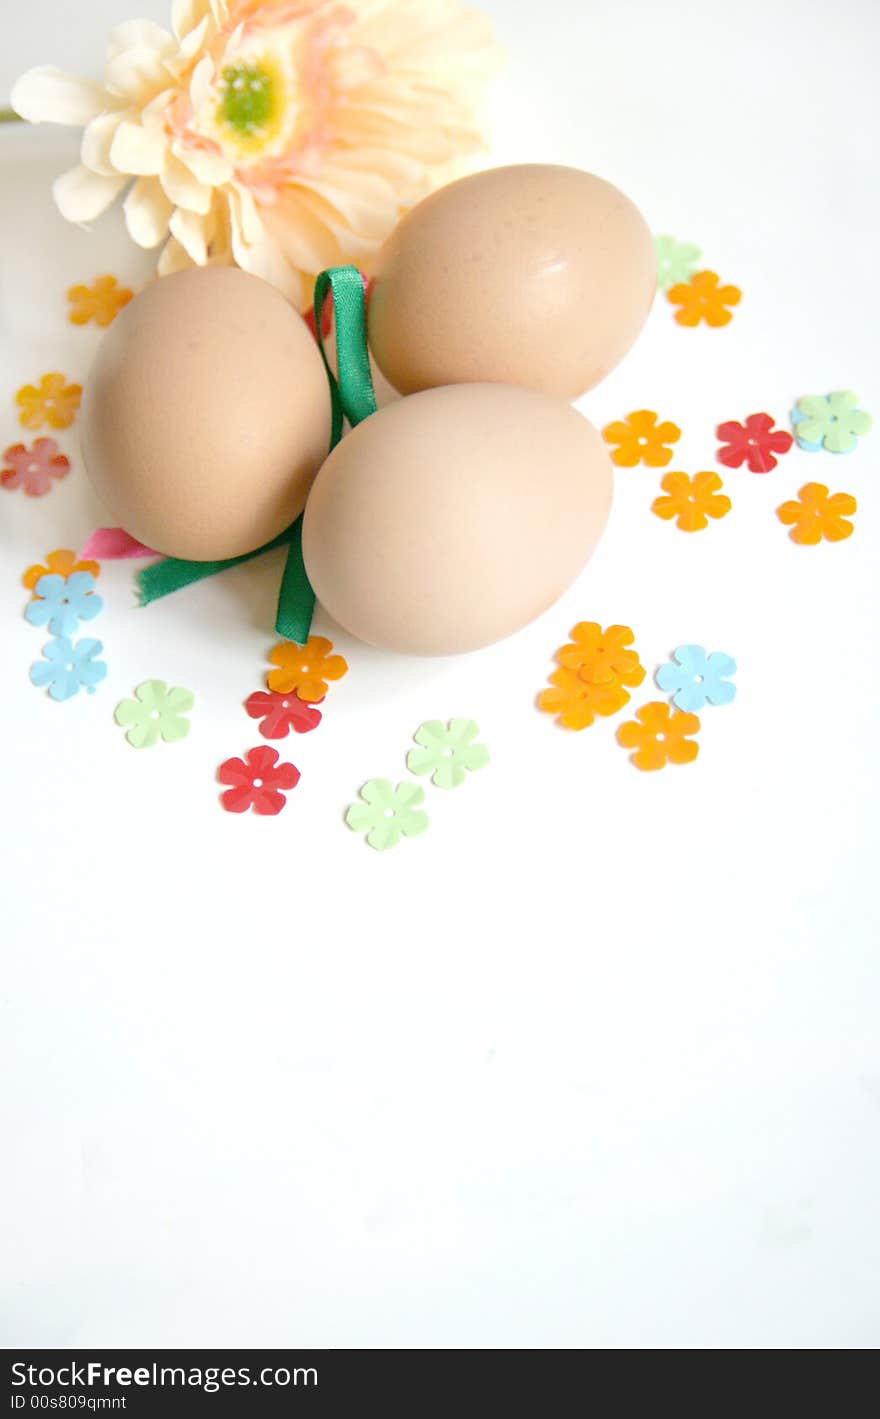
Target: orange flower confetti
[
  {"x": 101, "y": 301},
  {"x": 640, "y": 439},
  {"x": 660, "y": 736},
  {"x": 53, "y": 402},
  {"x": 600, "y": 657},
  {"x": 691, "y": 500},
  {"x": 306, "y": 669},
  {"x": 576, "y": 702},
  {"x": 61, "y": 562},
  {"x": 814, "y": 515},
  {"x": 701, "y": 298}
]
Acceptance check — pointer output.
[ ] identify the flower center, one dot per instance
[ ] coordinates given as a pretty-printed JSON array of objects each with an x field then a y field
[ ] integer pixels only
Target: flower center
[
  {"x": 257, "y": 783},
  {"x": 252, "y": 102}
]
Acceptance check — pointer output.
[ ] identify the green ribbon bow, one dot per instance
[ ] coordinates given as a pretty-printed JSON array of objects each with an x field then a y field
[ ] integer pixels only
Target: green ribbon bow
[{"x": 351, "y": 397}]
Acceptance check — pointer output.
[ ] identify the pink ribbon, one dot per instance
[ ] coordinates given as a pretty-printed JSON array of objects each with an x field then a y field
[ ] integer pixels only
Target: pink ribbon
[{"x": 112, "y": 544}]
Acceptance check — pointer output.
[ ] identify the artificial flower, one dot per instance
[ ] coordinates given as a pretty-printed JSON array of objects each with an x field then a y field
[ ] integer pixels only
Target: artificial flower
[
  {"x": 830, "y": 421},
  {"x": 53, "y": 401},
  {"x": 155, "y": 711},
  {"x": 305, "y": 669},
  {"x": 386, "y": 814},
  {"x": 576, "y": 701},
  {"x": 256, "y": 782},
  {"x": 68, "y": 668},
  {"x": 756, "y": 442},
  {"x": 101, "y": 301},
  {"x": 601, "y": 657},
  {"x": 34, "y": 468},
  {"x": 640, "y": 439},
  {"x": 696, "y": 678},
  {"x": 691, "y": 500},
  {"x": 285, "y": 136},
  {"x": 676, "y": 261},
  {"x": 814, "y": 515},
  {"x": 281, "y": 713},
  {"x": 660, "y": 736},
  {"x": 702, "y": 298},
  {"x": 447, "y": 751},
  {"x": 62, "y": 602},
  {"x": 61, "y": 562}
]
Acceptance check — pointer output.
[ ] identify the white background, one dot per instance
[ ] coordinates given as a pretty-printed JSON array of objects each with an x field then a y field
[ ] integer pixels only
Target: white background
[{"x": 594, "y": 1063}]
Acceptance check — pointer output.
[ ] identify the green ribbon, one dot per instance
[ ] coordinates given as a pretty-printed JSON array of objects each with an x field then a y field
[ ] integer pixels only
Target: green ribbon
[{"x": 351, "y": 395}]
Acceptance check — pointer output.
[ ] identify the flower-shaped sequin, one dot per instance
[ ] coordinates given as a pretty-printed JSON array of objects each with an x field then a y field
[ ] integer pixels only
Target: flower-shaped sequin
[
  {"x": 101, "y": 301},
  {"x": 281, "y": 713},
  {"x": 676, "y": 261},
  {"x": 576, "y": 702},
  {"x": 386, "y": 813},
  {"x": 755, "y": 443},
  {"x": 155, "y": 712},
  {"x": 256, "y": 782},
  {"x": 61, "y": 562},
  {"x": 830, "y": 421},
  {"x": 702, "y": 298},
  {"x": 602, "y": 656},
  {"x": 68, "y": 668},
  {"x": 62, "y": 602},
  {"x": 447, "y": 751},
  {"x": 660, "y": 736},
  {"x": 305, "y": 669},
  {"x": 33, "y": 469},
  {"x": 814, "y": 515},
  {"x": 692, "y": 501},
  {"x": 53, "y": 401},
  {"x": 640, "y": 439},
  {"x": 695, "y": 679}
]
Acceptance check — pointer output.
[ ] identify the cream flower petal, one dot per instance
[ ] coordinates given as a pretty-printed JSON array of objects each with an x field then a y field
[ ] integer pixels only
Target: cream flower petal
[
  {"x": 81, "y": 195},
  {"x": 201, "y": 81},
  {"x": 306, "y": 242},
  {"x": 147, "y": 213},
  {"x": 189, "y": 230},
  {"x": 186, "y": 14},
  {"x": 246, "y": 214},
  {"x": 191, "y": 45},
  {"x": 173, "y": 258},
  {"x": 136, "y": 75},
  {"x": 48, "y": 95},
  {"x": 139, "y": 149},
  {"x": 98, "y": 140},
  {"x": 183, "y": 189},
  {"x": 212, "y": 169},
  {"x": 262, "y": 255},
  {"x": 139, "y": 34}
]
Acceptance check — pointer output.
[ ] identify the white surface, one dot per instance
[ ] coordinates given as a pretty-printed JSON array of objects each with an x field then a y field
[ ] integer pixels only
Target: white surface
[{"x": 594, "y": 1063}]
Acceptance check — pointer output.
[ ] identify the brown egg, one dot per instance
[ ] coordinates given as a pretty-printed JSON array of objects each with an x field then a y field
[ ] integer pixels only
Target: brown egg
[
  {"x": 206, "y": 414},
  {"x": 534, "y": 275},
  {"x": 448, "y": 520}
]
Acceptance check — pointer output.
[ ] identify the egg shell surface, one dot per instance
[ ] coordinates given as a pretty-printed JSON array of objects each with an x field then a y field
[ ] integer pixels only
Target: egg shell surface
[
  {"x": 450, "y": 519},
  {"x": 206, "y": 414}
]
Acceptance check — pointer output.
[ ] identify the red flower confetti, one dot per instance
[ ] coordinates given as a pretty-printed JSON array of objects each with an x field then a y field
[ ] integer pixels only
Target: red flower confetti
[
  {"x": 281, "y": 714},
  {"x": 755, "y": 442},
  {"x": 255, "y": 781},
  {"x": 34, "y": 468}
]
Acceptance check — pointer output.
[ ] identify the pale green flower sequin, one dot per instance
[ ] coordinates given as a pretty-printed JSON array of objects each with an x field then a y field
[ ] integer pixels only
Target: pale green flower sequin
[
  {"x": 676, "y": 261},
  {"x": 833, "y": 422},
  {"x": 386, "y": 814},
  {"x": 156, "y": 711},
  {"x": 447, "y": 751}
]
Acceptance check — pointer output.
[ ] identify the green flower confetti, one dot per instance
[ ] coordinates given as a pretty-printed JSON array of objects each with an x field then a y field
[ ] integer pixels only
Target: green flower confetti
[
  {"x": 831, "y": 421},
  {"x": 386, "y": 814},
  {"x": 156, "y": 711},
  {"x": 676, "y": 261},
  {"x": 447, "y": 751}
]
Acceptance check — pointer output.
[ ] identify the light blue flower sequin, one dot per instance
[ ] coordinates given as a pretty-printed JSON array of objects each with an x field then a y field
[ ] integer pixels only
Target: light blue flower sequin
[
  {"x": 695, "y": 678},
  {"x": 61, "y": 603},
  {"x": 69, "y": 668}
]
